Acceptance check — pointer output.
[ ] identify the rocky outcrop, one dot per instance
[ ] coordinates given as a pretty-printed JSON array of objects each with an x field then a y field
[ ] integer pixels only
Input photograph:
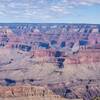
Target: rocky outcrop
[
  {"x": 80, "y": 89},
  {"x": 84, "y": 56},
  {"x": 25, "y": 91},
  {"x": 86, "y": 89}
]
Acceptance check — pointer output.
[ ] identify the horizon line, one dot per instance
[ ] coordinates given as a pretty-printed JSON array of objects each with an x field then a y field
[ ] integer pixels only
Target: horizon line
[{"x": 46, "y": 23}]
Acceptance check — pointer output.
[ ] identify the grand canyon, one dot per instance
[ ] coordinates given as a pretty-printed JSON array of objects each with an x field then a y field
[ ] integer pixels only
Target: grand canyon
[{"x": 49, "y": 61}]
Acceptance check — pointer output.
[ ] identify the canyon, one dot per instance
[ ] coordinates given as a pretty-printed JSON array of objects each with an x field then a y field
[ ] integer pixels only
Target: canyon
[{"x": 49, "y": 61}]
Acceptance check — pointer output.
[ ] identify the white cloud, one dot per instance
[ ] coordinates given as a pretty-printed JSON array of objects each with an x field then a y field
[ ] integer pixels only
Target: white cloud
[
  {"x": 57, "y": 8},
  {"x": 81, "y": 2},
  {"x": 44, "y": 9}
]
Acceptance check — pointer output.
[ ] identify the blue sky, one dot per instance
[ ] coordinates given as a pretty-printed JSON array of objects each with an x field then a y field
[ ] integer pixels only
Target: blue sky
[{"x": 48, "y": 11}]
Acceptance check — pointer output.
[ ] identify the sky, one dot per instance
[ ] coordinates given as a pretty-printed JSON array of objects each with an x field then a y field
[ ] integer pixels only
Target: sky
[{"x": 50, "y": 11}]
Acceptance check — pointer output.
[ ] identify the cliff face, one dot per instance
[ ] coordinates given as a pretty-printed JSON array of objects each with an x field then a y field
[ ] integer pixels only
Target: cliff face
[
  {"x": 84, "y": 56},
  {"x": 76, "y": 91},
  {"x": 29, "y": 92}
]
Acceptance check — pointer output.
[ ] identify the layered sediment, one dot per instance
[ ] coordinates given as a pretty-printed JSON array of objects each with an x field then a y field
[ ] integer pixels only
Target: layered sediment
[{"x": 60, "y": 63}]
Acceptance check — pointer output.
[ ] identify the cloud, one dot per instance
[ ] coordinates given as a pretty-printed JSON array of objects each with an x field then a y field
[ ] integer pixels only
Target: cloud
[
  {"x": 84, "y": 2},
  {"x": 41, "y": 9},
  {"x": 57, "y": 8}
]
